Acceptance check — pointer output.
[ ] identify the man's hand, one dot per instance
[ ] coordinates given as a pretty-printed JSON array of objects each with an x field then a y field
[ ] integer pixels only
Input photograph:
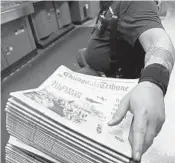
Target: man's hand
[{"x": 146, "y": 103}]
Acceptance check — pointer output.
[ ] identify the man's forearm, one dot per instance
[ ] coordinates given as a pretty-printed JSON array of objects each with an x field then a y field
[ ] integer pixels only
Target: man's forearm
[
  {"x": 158, "y": 47},
  {"x": 161, "y": 56},
  {"x": 158, "y": 66}
]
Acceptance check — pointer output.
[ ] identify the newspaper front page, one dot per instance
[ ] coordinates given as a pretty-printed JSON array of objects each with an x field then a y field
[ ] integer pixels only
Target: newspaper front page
[{"x": 84, "y": 104}]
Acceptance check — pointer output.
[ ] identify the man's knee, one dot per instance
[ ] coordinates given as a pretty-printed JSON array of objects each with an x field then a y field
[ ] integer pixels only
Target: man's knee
[
  {"x": 98, "y": 62},
  {"x": 81, "y": 60},
  {"x": 88, "y": 71}
]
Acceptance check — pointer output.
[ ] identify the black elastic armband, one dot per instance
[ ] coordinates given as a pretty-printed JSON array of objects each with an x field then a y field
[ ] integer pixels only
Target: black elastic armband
[{"x": 157, "y": 74}]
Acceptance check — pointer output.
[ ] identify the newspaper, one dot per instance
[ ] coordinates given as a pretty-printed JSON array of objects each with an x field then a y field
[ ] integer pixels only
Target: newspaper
[
  {"x": 85, "y": 104},
  {"x": 47, "y": 142},
  {"x": 15, "y": 143},
  {"x": 20, "y": 112}
]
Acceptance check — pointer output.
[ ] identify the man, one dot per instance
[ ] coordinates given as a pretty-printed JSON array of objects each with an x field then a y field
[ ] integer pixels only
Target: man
[{"x": 129, "y": 41}]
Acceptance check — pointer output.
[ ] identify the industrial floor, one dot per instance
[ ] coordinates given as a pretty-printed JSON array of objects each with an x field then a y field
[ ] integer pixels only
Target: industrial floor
[{"x": 31, "y": 75}]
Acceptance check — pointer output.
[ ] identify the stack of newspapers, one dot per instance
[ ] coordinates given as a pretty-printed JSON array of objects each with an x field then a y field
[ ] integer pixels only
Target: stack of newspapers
[{"x": 65, "y": 119}]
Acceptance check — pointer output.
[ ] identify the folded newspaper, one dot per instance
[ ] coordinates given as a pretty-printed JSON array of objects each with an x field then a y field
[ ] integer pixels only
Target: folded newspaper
[
  {"x": 66, "y": 117},
  {"x": 17, "y": 151}
]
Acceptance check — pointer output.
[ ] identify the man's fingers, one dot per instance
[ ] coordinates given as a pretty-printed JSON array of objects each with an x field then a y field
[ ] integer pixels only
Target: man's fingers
[
  {"x": 148, "y": 141},
  {"x": 121, "y": 111},
  {"x": 153, "y": 128},
  {"x": 130, "y": 138},
  {"x": 159, "y": 126},
  {"x": 139, "y": 127},
  {"x": 150, "y": 135}
]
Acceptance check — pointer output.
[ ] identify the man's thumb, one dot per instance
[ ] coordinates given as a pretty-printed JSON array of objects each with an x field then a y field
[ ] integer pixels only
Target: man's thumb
[{"x": 121, "y": 111}]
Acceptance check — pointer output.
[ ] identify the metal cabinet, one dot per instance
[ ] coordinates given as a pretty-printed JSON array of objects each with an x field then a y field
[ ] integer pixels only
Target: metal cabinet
[
  {"x": 44, "y": 19},
  {"x": 79, "y": 11},
  {"x": 62, "y": 13},
  {"x": 163, "y": 9},
  {"x": 53, "y": 25},
  {"x": 17, "y": 40},
  {"x": 94, "y": 7},
  {"x": 4, "y": 63}
]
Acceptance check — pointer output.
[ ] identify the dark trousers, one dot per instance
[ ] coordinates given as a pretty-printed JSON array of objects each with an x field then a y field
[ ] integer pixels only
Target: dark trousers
[{"x": 100, "y": 62}]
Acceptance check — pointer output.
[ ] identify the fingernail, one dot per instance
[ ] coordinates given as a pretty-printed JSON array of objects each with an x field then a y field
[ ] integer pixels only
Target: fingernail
[
  {"x": 138, "y": 156},
  {"x": 135, "y": 161}
]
